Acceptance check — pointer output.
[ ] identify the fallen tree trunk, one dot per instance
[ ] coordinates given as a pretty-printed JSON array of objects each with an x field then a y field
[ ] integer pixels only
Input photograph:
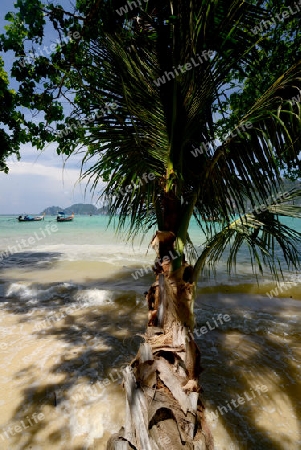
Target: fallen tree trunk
[{"x": 163, "y": 405}]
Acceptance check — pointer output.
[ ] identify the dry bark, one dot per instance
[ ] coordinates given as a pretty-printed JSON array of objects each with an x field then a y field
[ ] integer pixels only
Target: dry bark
[{"x": 163, "y": 405}]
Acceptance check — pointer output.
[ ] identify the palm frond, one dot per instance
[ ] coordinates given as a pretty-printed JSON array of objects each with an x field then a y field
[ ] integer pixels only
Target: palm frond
[
  {"x": 270, "y": 243},
  {"x": 156, "y": 125}
]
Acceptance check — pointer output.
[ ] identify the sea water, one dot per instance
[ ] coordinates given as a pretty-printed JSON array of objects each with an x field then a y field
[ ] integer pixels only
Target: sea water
[{"x": 73, "y": 314}]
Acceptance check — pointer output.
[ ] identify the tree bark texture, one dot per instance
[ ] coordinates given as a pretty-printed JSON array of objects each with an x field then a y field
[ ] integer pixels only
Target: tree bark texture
[{"x": 164, "y": 410}]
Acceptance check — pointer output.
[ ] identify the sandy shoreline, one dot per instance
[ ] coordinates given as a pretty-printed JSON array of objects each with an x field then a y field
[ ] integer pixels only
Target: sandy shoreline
[
  {"x": 55, "y": 358},
  {"x": 51, "y": 370}
]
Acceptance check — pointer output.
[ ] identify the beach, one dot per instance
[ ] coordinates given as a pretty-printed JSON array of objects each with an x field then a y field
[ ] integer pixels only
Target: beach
[{"x": 73, "y": 315}]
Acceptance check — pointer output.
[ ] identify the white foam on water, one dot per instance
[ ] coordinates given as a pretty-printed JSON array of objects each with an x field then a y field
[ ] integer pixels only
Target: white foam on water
[
  {"x": 32, "y": 293},
  {"x": 95, "y": 296},
  {"x": 21, "y": 291}
]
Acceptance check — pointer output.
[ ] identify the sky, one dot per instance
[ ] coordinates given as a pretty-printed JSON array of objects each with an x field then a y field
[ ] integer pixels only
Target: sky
[{"x": 39, "y": 179}]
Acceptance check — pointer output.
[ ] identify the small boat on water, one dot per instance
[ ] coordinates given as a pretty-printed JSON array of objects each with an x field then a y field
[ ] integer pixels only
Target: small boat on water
[
  {"x": 28, "y": 218},
  {"x": 61, "y": 217}
]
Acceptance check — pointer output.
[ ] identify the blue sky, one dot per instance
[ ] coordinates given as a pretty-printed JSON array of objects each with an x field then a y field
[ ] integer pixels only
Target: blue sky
[{"x": 39, "y": 179}]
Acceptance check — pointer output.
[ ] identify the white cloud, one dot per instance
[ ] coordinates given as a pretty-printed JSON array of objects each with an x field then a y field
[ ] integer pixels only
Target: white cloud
[{"x": 39, "y": 180}]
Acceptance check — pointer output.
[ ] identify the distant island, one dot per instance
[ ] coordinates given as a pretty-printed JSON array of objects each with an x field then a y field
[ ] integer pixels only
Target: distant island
[{"x": 78, "y": 209}]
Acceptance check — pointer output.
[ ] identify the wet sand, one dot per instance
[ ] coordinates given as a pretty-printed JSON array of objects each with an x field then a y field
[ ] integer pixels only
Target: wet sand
[
  {"x": 65, "y": 363},
  {"x": 57, "y": 350}
]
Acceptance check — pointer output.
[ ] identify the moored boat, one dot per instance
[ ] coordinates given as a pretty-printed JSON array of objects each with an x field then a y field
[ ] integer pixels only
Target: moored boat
[
  {"x": 61, "y": 217},
  {"x": 28, "y": 218}
]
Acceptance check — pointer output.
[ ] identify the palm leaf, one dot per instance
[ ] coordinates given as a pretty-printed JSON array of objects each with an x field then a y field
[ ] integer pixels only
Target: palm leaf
[{"x": 263, "y": 234}]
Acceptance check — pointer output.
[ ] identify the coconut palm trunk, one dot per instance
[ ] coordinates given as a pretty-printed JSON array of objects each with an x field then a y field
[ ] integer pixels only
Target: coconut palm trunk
[{"x": 163, "y": 404}]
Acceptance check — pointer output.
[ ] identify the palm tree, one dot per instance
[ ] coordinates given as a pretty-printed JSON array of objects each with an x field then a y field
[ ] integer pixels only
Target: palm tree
[
  {"x": 183, "y": 140},
  {"x": 168, "y": 71}
]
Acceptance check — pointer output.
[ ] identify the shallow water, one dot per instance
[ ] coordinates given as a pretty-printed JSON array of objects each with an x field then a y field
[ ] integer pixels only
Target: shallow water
[{"x": 72, "y": 315}]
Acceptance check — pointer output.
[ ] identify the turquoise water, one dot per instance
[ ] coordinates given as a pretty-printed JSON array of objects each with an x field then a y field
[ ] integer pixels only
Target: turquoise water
[
  {"x": 89, "y": 238},
  {"x": 94, "y": 227}
]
